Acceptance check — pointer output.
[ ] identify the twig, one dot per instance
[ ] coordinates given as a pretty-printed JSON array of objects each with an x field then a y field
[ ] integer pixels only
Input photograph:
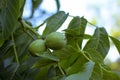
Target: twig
[
  {"x": 61, "y": 69},
  {"x": 15, "y": 51}
]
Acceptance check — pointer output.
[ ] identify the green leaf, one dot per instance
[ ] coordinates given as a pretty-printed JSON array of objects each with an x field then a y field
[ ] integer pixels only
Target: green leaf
[
  {"x": 2, "y": 70},
  {"x": 36, "y": 3},
  {"x": 11, "y": 69},
  {"x": 7, "y": 72},
  {"x": 72, "y": 42},
  {"x": 42, "y": 75},
  {"x": 99, "y": 42},
  {"x": 78, "y": 22},
  {"x": 77, "y": 27},
  {"x": 1, "y": 36},
  {"x": 49, "y": 55},
  {"x": 22, "y": 39},
  {"x": 22, "y": 3},
  {"x": 65, "y": 52},
  {"x": 95, "y": 56},
  {"x": 26, "y": 69},
  {"x": 74, "y": 63},
  {"x": 54, "y": 73},
  {"x": 6, "y": 46},
  {"x": 117, "y": 72},
  {"x": 110, "y": 75},
  {"x": 73, "y": 33},
  {"x": 69, "y": 61},
  {"x": 1, "y": 40},
  {"x": 54, "y": 22},
  {"x": 2, "y": 3},
  {"x": 116, "y": 43},
  {"x": 85, "y": 74},
  {"x": 61, "y": 77},
  {"x": 51, "y": 73},
  {"x": 9, "y": 16},
  {"x": 42, "y": 62},
  {"x": 97, "y": 73}
]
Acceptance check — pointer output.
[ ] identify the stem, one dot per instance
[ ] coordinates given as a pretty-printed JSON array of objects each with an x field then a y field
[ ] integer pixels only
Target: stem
[
  {"x": 71, "y": 16},
  {"x": 77, "y": 45},
  {"x": 92, "y": 24},
  {"x": 29, "y": 34},
  {"x": 61, "y": 69},
  {"x": 26, "y": 30},
  {"x": 101, "y": 69},
  {"x": 105, "y": 69},
  {"x": 15, "y": 51},
  {"x": 25, "y": 27},
  {"x": 86, "y": 56},
  {"x": 40, "y": 25}
]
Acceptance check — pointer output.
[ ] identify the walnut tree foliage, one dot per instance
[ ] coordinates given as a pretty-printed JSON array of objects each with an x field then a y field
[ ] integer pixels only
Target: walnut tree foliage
[{"x": 73, "y": 62}]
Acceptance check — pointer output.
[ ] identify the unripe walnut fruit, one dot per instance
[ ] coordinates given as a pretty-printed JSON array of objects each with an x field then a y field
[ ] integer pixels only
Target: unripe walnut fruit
[
  {"x": 55, "y": 40},
  {"x": 37, "y": 47}
]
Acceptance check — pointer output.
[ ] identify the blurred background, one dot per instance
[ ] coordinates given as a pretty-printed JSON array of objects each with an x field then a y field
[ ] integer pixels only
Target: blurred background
[{"x": 102, "y": 13}]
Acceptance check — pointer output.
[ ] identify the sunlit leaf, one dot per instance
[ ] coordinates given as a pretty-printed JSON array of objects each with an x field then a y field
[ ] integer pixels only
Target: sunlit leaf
[
  {"x": 77, "y": 27},
  {"x": 83, "y": 75},
  {"x": 72, "y": 42},
  {"x": 82, "y": 27},
  {"x": 64, "y": 52},
  {"x": 99, "y": 42},
  {"x": 69, "y": 61},
  {"x": 116, "y": 43},
  {"x": 73, "y": 33},
  {"x": 95, "y": 56},
  {"x": 55, "y": 22}
]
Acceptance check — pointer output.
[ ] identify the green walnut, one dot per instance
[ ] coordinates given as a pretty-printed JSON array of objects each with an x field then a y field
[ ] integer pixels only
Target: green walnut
[
  {"x": 37, "y": 47},
  {"x": 55, "y": 40}
]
